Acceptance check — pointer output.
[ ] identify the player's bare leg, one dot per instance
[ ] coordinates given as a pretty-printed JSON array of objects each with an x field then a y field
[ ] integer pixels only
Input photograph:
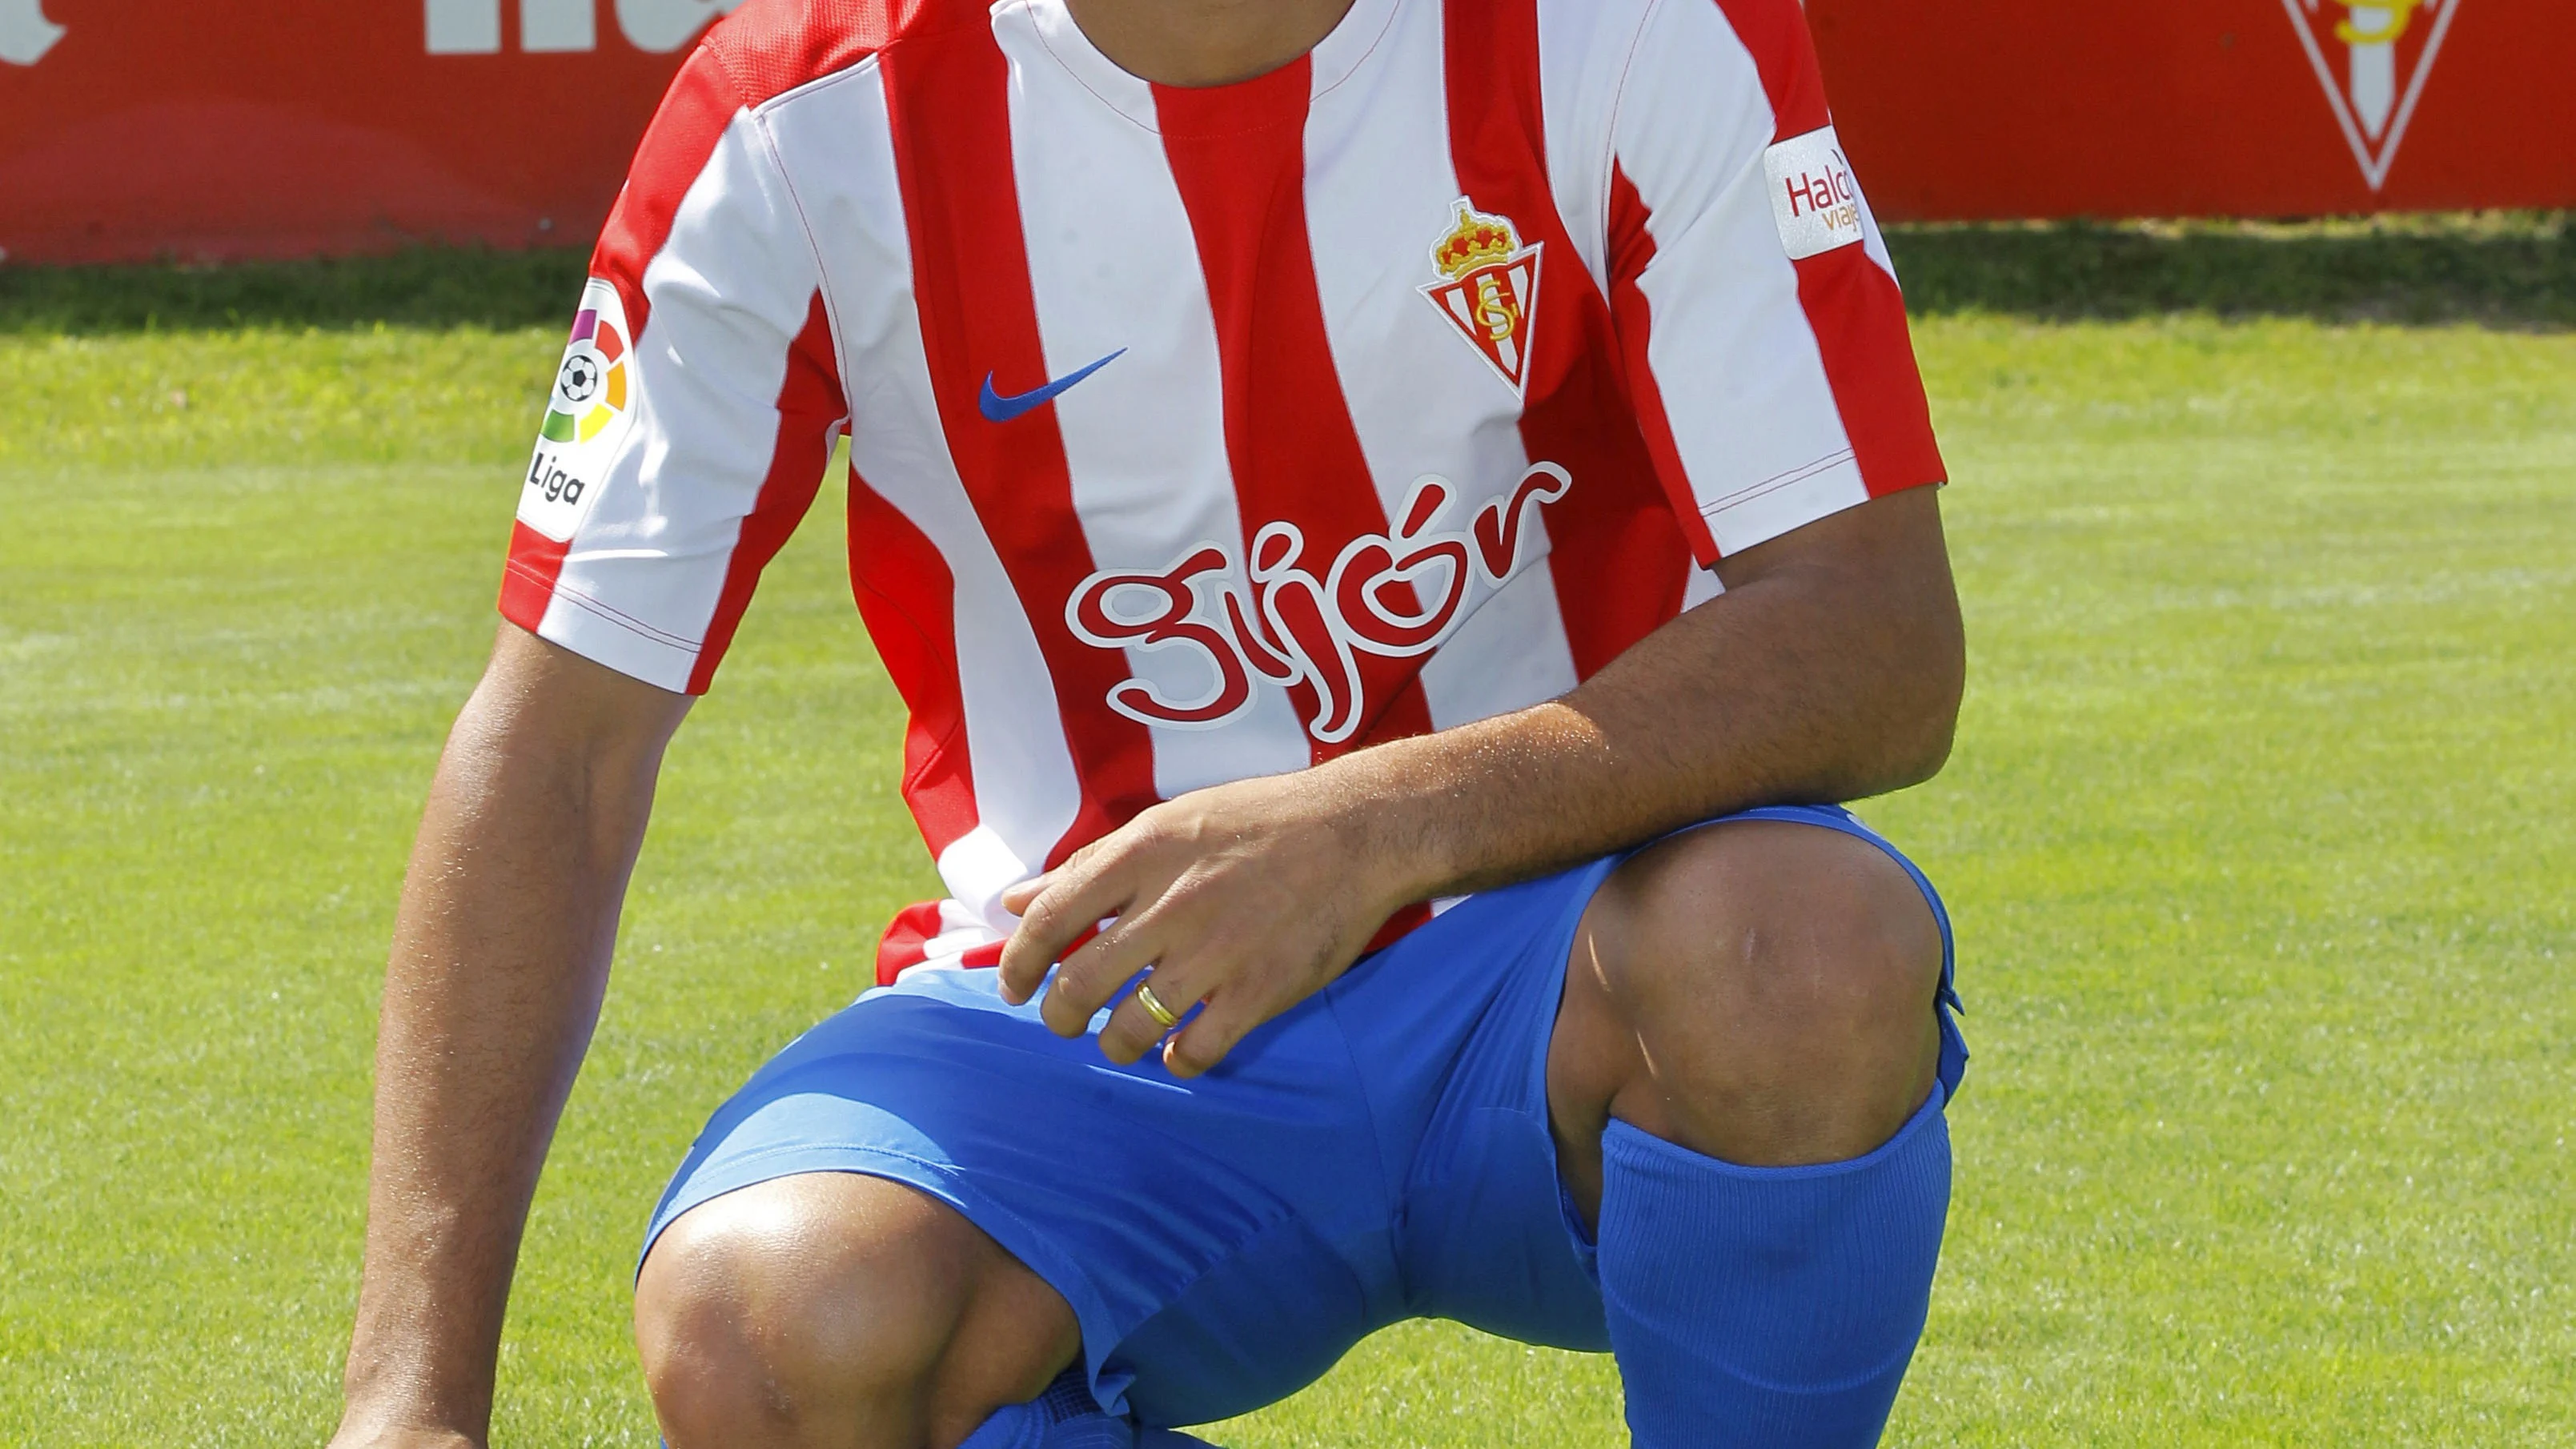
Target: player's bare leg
[
  {"x": 1743, "y": 1083},
  {"x": 831, "y": 1309},
  {"x": 1759, "y": 991}
]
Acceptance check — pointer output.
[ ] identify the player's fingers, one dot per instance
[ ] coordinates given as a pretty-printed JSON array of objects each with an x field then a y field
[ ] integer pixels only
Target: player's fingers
[
  {"x": 1016, "y": 899},
  {"x": 1092, "y": 969},
  {"x": 1204, "y": 1041},
  {"x": 1017, "y": 981},
  {"x": 1132, "y": 1029},
  {"x": 1072, "y": 899}
]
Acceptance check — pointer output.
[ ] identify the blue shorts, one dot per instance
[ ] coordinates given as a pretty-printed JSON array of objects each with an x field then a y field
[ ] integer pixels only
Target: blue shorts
[{"x": 1379, "y": 1152}]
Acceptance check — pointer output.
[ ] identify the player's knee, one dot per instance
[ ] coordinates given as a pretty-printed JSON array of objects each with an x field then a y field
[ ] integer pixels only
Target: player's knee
[
  {"x": 1778, "y": 979},
  {"x": 775, "y": 1312}
]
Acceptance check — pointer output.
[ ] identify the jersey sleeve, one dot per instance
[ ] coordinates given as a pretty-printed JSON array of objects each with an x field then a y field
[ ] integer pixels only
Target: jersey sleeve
[
  {"x": 695, "y": 407},
  {"x": 1756, "y": 305}
]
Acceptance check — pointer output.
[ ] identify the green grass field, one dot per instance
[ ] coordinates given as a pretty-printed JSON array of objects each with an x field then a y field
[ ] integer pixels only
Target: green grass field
[{"x": 2257, "y": 835}]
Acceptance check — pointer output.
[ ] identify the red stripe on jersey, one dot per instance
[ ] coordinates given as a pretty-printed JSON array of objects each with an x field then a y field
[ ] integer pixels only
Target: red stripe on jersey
[
  {"x": 948, "y": 97},
  {"x": 1238, "y": 155},
  {"x": 701, "y": 103},
  {"x": 1852, "y": 304},
  {"x": 762, "y": 50},
  {"x": 692, "y": 119},
  {"x": 771, "y": 47},
  {"x": 1859, "y": 320},
  {"x": 810, "y": 414},
  {"x": 1616, "y": 522},
  {"x": 1403, "y": 923},
  {"x": 1632, "y": 246},
  {"x": 1774, "y": 32},
  {"x": 908, "y": 598},
  {"x": 906, "y": 942},
  {"x": 528, "y": 579}
]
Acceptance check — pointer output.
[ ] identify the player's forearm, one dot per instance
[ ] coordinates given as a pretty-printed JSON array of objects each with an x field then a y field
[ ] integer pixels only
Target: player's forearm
[
  {"x": 1778, "y": 691},
  {"x": 500, "y": 957}
]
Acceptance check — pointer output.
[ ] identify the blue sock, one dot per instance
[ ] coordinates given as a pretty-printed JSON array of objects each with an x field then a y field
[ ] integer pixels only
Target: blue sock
[
  {"x": 1067, "y": 1417},
  {"x": 1064, "y": 1417},
  {"x": 1769, "y": 1306},
  {"x": 1014, "y": 1426}
]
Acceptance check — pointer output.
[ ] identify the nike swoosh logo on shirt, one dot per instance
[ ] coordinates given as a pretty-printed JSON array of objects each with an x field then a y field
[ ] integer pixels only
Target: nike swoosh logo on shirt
[{"x": 1000, "y": 409}]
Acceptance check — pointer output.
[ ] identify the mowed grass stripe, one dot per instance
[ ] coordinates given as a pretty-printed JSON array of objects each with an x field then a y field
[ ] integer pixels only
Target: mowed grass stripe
[{"x": 2255, "y": 835}]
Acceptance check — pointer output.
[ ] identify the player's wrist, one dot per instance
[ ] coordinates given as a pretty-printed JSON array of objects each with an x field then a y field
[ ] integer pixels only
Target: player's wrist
[
  {"x": 1391, "y": 831},
  {"x": 404, "y": 1394},
  {"x": 373, "y": 1424}
]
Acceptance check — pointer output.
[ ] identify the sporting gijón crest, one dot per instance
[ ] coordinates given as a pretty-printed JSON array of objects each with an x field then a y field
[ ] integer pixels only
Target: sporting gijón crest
[
  {"x": 2372, "y": 60},
  {"x": 1488, "y": 289}
]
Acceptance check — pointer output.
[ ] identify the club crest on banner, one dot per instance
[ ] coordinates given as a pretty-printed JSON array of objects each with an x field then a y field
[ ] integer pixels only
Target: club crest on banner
[
  {"x": 2372, "y": 60},
  {"x": 1488, "y": 289},
  {"x": 25, "y": 33}
]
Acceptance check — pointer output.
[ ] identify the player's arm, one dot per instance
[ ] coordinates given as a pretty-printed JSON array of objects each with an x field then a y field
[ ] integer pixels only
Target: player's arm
[
  {"x": 684, "y": 439},
  {"x": 1830, "y": 669},
  {"x": 500, "y": 955}
]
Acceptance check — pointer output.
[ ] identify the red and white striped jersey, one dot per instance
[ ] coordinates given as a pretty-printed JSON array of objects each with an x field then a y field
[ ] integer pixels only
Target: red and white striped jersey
[{"x": 1205, "y": 433}]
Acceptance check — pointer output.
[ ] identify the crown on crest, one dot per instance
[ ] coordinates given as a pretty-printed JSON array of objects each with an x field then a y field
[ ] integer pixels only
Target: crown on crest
[
  {"x": 1474, "y": 241},
  {"x": 2396, "y": 16}
]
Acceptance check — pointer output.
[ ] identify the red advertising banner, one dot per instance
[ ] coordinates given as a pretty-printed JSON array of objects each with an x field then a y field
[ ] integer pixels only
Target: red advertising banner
[
  {"x": 131, "y": 129},
  {"x": 142, "y": 128},
  {"x": 2041, "y": 108}
]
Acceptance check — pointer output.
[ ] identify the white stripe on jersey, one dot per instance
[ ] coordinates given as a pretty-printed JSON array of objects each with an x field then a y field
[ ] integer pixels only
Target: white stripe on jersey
[
  {"x": 640, "y": 581},
  {"x": 1151, "y": 480},
  {"x": 1584, "y": 52},
  {"x": 1385, "y": 134},
  {"x": 1025, "y": 789},
  {"x": 1692, "y": 127}
]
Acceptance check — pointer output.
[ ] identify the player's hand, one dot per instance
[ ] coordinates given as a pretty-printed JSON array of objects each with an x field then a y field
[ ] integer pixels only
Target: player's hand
[{"x": 1247, "y": 897}]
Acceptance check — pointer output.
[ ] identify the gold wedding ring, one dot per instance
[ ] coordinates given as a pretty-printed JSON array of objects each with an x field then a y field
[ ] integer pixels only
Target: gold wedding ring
[{"x": 1163, "y": 1015}]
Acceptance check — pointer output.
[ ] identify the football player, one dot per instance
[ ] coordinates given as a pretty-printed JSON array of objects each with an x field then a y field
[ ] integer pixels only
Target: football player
[{"x": 1396, "y": 522}]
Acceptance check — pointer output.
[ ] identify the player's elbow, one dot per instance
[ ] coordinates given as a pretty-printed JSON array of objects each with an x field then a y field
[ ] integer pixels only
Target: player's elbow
[
  {"x": 1920, "y": 719},
  {"x": 1926, "y": 748},
  {"x": 1894, "y": 762},
  {"x": 1901, "y": 706}
]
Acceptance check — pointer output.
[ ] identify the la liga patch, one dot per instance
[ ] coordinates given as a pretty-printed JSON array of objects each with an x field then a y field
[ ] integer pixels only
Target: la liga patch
[{"x": 586, "y": 416}]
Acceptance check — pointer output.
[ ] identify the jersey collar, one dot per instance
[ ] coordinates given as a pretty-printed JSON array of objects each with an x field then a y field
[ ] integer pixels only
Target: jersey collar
[{"x": 1334, "y": 59}]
